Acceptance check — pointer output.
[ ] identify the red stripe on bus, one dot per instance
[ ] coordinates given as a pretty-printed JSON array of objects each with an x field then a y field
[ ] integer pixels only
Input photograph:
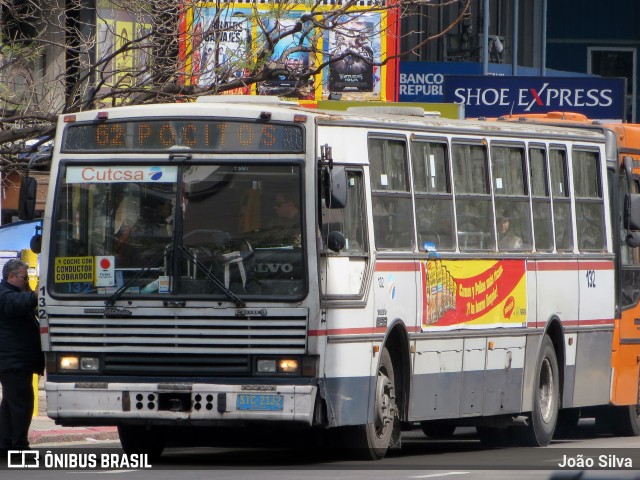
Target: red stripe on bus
[
  {"x": 564, "y": 265},
  {"x": 591, "y": 265},
  {"x": 347, "y": 331},
  {"x": 397, "y": 267},
  {"x": 598, "y": 321},
  {"x": 582, "y": 323}
]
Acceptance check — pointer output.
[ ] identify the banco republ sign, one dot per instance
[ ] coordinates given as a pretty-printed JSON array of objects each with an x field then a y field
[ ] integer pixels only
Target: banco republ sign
[{"x": 485, "y": 96}]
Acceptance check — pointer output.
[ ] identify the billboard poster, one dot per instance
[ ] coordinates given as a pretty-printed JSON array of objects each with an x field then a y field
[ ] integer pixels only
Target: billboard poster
[
  {"x": 142, "y": 57},
  {"x": 356, "y": 45},
  {"x": 292, "y": 57},
  {"x": 473, "y": 294},
  {"x": 595, "y": 97},
  {"x": 117, "y": 29},
  {"x": 220, "y": 45},
  {"x": 105, "y": 47}
]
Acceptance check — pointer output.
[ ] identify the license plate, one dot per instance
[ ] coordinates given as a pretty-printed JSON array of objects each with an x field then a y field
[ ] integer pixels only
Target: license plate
[{"x": 251, "y": 401}]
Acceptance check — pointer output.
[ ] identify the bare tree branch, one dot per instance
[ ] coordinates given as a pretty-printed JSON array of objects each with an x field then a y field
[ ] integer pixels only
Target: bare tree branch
[{"x": 61, "y": 56}]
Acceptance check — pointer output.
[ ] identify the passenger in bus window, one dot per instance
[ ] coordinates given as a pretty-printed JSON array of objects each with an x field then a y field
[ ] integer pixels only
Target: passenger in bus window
[
  {"x": 507, "y": 238},
  {"x": 148, "y": 237}
]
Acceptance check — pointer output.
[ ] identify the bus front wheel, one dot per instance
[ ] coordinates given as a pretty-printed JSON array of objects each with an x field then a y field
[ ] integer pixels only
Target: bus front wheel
[
  {"x": 372, "y": 440},
  {"x": 546, "y": 398}
]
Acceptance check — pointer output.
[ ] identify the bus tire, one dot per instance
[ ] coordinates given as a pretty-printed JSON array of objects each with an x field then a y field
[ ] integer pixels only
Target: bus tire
[
  {"x": 141, "y": 439},
  {"x": 546, "y": 398},
  {"x": 438, "y": 428},
  {"x": 626, "y": 421},
  {"x": 372, "y": 440}
]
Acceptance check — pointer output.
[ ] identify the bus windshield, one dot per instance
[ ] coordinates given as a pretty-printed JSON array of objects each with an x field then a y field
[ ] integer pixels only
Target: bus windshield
[{"x": 220, "y": 231}]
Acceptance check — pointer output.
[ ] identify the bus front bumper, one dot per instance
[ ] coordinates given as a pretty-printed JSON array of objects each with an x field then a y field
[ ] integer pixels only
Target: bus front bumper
[{"x": 195, "y": 404}]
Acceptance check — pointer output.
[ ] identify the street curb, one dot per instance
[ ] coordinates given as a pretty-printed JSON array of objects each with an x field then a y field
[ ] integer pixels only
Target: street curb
[{"x": 80, "y": 434}]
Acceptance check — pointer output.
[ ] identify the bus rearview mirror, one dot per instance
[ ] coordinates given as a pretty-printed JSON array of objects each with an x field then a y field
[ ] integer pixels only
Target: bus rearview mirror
[
  {"x": 633, "y": 239},
  {"x": 632, "y": 211},
  {"x": 36, "y": 241},
  {"x": 335, "y": 187},
  {"x": 336, "y": 241}
]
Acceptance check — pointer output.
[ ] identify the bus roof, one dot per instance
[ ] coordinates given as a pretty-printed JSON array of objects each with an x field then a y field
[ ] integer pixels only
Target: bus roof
[
  {"x": 627, "y": 134},
  {"x": 230, "y": 106}
]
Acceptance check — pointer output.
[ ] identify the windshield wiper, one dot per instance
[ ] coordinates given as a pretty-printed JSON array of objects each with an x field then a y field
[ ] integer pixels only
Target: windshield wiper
[
  {"x": 109, "y": 302},
  {"x": 215, "y": 280}
]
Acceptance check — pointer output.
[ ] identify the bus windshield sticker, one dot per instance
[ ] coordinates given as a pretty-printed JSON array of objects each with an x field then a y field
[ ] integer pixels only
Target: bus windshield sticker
[
  {"x": 122, "y": 174},
  {"x": 105, "y": 271},
  {"x": 73, "y": 269}
]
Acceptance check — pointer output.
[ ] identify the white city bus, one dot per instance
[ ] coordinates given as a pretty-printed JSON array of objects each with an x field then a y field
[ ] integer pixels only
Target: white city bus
[{"x": 389, "y": 297}]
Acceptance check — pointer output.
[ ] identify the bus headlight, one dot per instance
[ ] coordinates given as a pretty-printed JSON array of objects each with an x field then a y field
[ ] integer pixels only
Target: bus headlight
[
  {"x": 287, "y": 365},
  {"x": 304, "y": 366},
  {"x": 89, "y": 364},
  {"x": 76, "y": 362},
  {"x": 69, "y": 362},
  {"x": 266, "y": 365},
  {"x": 284, "y": 366}
]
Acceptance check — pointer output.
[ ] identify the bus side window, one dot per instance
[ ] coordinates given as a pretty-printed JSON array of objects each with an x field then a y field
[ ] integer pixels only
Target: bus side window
[
  {"x": 434, "y": 201},
  {"x": 390, "y": 195},
  {"x": 473, "y": 197},
  {"x": 510, "y": 187},
  {"x": 561, "y": 200},
  {"x": 350, "y": 220},
  {"x": 589, "y": 201},
  {"x": 541, "y": 201}
]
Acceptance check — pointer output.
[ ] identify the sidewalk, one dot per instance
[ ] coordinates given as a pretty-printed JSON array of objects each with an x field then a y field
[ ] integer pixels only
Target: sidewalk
[{"x": 43, "y": 430}]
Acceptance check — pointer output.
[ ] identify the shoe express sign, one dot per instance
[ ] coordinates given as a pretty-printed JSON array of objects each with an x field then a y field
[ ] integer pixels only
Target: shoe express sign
[{"x": 488, "y": 96}]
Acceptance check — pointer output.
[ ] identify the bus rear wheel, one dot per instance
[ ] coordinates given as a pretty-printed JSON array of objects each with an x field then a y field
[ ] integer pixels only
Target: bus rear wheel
[
  {"x": 141, "y": 439},
  {"x": 546, "y": 398},
  {"x": 626, "y": 421},
  {"x": 372, "y": 440}
]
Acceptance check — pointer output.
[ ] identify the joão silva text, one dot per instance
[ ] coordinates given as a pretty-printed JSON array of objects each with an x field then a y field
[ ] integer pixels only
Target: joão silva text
[{"x": 603, "y": 461}]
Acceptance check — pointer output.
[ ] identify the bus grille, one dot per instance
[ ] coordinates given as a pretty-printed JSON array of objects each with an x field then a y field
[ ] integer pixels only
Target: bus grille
[
  {"x": 179, "y": 345},
  {"x": 173, "y": 364}
]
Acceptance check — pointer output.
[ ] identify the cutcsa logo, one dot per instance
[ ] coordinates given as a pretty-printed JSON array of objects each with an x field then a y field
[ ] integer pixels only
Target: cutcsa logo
[
  {"x": 155, "y": 173},
  {"x": 392, "y": 287}
]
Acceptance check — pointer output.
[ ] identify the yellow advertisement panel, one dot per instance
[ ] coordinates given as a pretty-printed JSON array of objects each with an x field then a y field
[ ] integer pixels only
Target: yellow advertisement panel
[
  {"x": 124, "y": 61},
  {"x": 473, "y": 294},
  {"x": 105, "y": 47}
]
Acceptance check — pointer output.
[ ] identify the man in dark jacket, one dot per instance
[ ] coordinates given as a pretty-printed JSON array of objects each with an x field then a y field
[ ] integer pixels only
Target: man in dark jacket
[{"x": 20, "y": 355}]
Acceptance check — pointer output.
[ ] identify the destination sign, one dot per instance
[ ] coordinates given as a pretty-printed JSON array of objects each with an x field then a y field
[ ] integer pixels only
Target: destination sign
[{"x": 197, "y": 135}]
